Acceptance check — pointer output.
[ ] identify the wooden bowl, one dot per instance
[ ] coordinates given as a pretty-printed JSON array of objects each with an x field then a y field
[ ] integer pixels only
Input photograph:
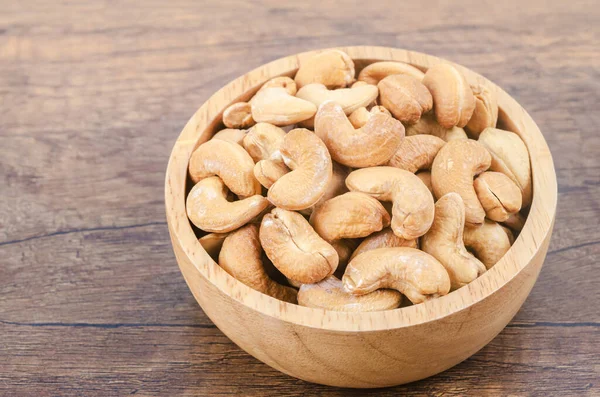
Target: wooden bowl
[{"x": 361, "y": 349}]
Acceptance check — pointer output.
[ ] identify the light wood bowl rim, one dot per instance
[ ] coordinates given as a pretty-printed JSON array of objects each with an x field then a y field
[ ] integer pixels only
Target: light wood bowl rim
[{"x": 538, "y": 225}]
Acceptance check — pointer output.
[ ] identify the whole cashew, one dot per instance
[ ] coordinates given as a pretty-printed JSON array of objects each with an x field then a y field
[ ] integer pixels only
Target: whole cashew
[
  {"x": 241, "y": 257},
  {"x": 498, "y": 194},
  {"x": 276, "y": 106},
  {"x": 360, "y": 116},
  {"x": 416, "y": 152},
  {"x": 350, "y": 215},
  {"x": 329, "y": 294},
  {"x": 453, "y": 99},
  {"x": 412, "y": 211},
  {"x": 227, "y": 160},
  {"x": 332, "y": 68},
  {"x": 373, "y": 144},
  {"x": 231, "y": 135},
  {"x": 486, "y": 111},
  {"x": 284, "y": 82},
  {"x": 444, "y": 241},
  {"x": 425, "y": 177},
  {"x": 414, "y": 273},
  {"x": 212, "y": 243},
  {"x": 306, "y": 155},
  {"x": 267, "y": 172},
  {"x": 427, "y": 125},
  {"x": 349, "y": 99},
  {"x": 207, "y": 207},
  {"x": 263, "y": 140},
  {"x": 295, "y": 248},
  {"x": 509, "y": 156},
  {"x": 238, "y": 115},
  {"x": 488, "y": 242},
  {"x": 405, "y": 96},
  {"x": 383, "y": 239},
  {"x": 453, "y": 170},
  {"x": 377, "y": 71}
]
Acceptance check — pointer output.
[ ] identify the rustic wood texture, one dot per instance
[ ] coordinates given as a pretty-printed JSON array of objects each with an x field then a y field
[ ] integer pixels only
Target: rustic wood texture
[{"x": 95, "y": 93}]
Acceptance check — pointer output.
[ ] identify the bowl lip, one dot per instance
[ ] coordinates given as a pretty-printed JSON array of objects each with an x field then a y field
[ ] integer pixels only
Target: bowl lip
[{"x": 533, "y": 237}]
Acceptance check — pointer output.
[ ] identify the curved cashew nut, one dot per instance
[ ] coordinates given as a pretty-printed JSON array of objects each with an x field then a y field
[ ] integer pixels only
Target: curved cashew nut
[
  {"x": 329, "y": 294},
  {"x": 263, "y": 140},
  {"x": 284, "y": 82},
  {"x": 425, "y": 177},
  {"x": 295, "y": 248},
  {"x": 267, "y": 172},
  {"x": 383, "y": 239},
  {"x": 414, "y": 273},
  {"x": 405, "y": 96},
  {"x": 212, "y": 243},
  {"x": 360, "y": 116},
  {"x": 276, "y": 106},
  {"x": 511, "y": 157},
  {"x": 444, "y": 241},
  {"x": 453, "y": 99},
  {"x": 350, "y": 215},
  {"x": 498, "y": 194},
  {"x": 241, "y": 257},
  {"x": 486, "y": 111},
  {"x": 228, "y": 161},
  {"x": 349, "y": 99},
  {"x": 378, "y": 71},
  {"x": 208, "y": 209},
  {"x": 427, "y": 125},
  {"x": 373, "y": 144},
  {"x": 306, "y": 155},
  {"x": 231, "y": 135},
  {"x": 332, "y": 68},
  {"x": 488, "y": 242},
  {"x": 416, "y": 152},
  {"x": 238, "y": 115},
  {"x": 412, "y": 211},
  {"x": 453, "y": 170}
]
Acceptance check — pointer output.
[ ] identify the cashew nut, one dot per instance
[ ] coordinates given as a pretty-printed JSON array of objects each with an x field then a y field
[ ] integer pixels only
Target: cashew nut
[
  {"x": 486, "y": 111},
  {"x": 375, "y": 72},
  {"x": 332, "y": 68},
  {"x": 263, "y": 140},
  {"x": 295, "y": 248},
  {"x": 412, "y": 211},
  {"x": 349, "y": 99},
  {"x": 444, "y": 241},
  {"x": 414, "y": 273},
  {"x": 238, "y": 115},
  {"x": 276, "y": 106},
  {"x": 231, "y": 135},
  {"x": 427, "y": 125},
  {"x": 498, "y": 194},
  {"x": 267, "y": 172},
  {"x": 488, "y": 242},
  {"x": 383, "y": 239},
  {"x": 284, "y": 82},
  {"x": 330, "y": 295},
  {"x": 212, "y": 243},
  {"x": 425, "y": 177},
  {"x": 515, "y": 222},
  {"x": 207, "y": 207},
  {"x": 416, "y": 152},
  {"x": 241, "y": 257},
  {"x": 373, "y": 144},
  {"x": 453, "y": 170},
  {"x": 306, "y": 155},
  {"x": 227, "y": 160},
  {"x": 405, "y": 96},
  {"x": 360, "y": 116},
  {"x": 509, "y": 156},
  {"x": 350, "y": 215},
  {"x": 453, "y": 99}
]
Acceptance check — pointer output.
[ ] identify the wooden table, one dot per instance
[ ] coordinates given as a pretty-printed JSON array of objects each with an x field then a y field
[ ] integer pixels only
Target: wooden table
[{"x": 93, "y": 95}]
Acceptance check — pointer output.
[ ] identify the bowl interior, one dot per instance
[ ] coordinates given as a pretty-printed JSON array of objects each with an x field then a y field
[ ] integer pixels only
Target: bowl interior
[{"x": 207, "y": 120}]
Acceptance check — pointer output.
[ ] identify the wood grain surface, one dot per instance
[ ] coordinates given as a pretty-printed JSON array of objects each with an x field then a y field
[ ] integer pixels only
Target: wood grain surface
[{"x": 94, "y": 94}]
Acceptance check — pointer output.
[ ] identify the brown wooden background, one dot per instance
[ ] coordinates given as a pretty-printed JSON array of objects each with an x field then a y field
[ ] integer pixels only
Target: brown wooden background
[{"x": 93, "y": 95}]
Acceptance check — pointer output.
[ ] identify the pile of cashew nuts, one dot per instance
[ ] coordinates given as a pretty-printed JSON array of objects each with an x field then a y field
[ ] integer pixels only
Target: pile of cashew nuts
[{"x": 354, "y": 192}]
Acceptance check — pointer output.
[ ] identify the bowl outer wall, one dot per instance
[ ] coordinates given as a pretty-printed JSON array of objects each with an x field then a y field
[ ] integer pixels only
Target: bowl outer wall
[{"x": 362, "y": 349}]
